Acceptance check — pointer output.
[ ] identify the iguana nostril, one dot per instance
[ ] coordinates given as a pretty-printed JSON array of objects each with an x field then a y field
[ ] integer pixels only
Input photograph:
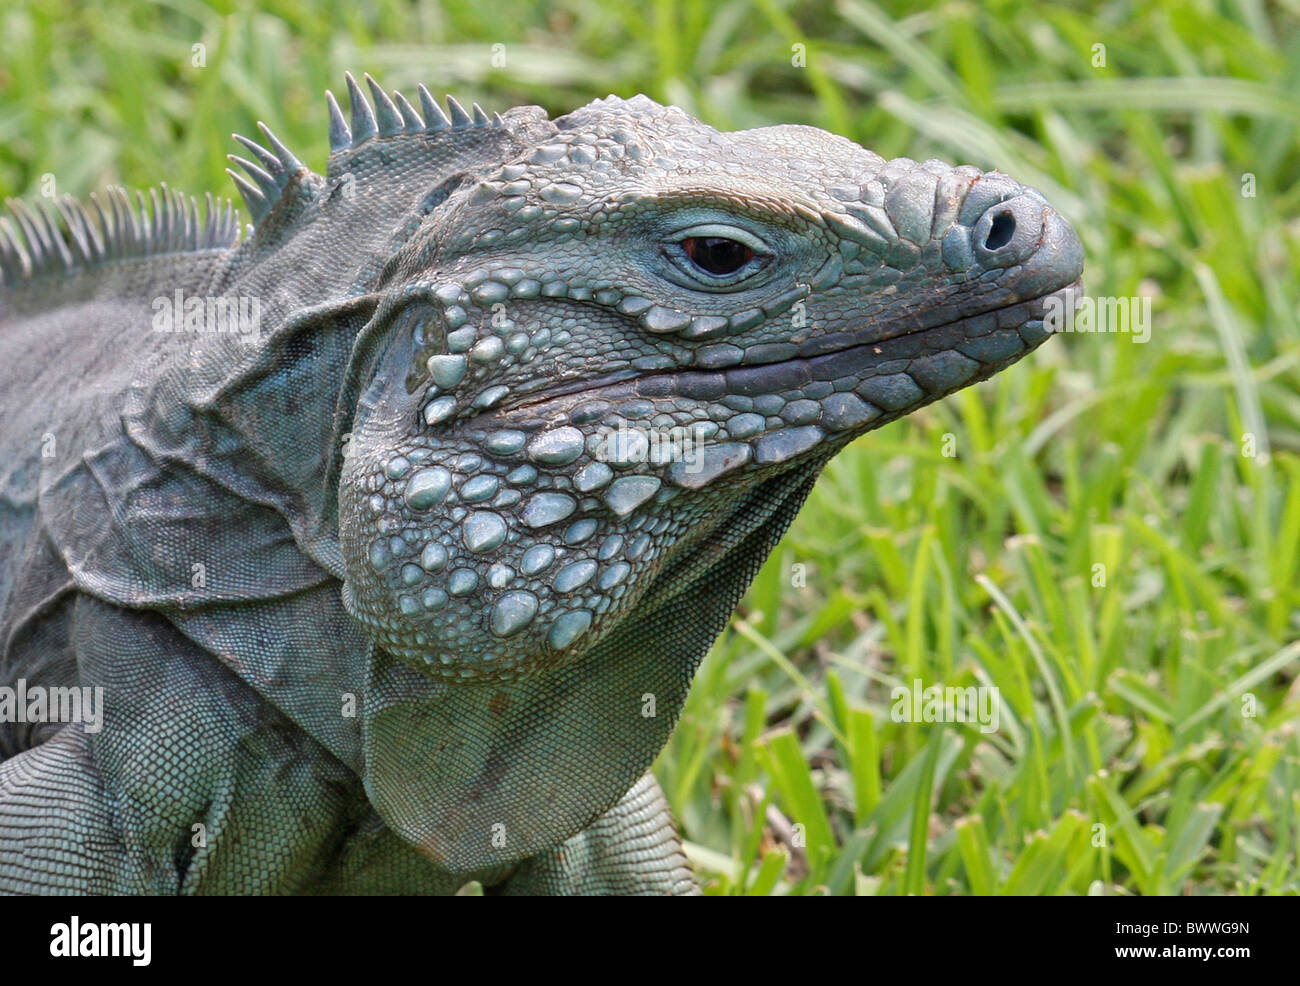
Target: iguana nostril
[{"x": 1001, "y": 231}]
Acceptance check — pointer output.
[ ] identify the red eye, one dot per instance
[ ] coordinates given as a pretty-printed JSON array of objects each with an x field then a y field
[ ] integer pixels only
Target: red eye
[{"x": 717, "y": 254}]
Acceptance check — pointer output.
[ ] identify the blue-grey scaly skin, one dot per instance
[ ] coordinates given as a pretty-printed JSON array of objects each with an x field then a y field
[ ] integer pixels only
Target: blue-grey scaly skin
[{"x": 407, "y": 587}]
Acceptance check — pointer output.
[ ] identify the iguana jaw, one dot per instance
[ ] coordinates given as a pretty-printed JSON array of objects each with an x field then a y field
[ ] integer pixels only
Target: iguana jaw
[
  {"x": 645, "y": 504},
  {"x": 825, "y": 359}
]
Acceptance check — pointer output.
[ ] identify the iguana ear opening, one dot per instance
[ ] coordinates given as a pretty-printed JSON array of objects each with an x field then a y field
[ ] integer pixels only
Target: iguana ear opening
[{"x": 478, "y": 775}]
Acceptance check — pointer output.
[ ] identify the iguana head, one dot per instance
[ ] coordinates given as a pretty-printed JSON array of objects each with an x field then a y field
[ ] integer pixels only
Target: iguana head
[{"x": 635, "y": 334}]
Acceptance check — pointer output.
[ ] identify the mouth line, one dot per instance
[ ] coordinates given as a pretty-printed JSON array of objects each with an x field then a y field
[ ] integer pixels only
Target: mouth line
[{"x": 596, "y": 387}]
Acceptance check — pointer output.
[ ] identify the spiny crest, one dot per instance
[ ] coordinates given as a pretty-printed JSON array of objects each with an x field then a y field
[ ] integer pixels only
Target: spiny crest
[
  {"x": 277, "y": 169},
  {"x": 390, "y": 116},
  {"x": 71, "y": 235},
  {"x": 383, "y": 115}
]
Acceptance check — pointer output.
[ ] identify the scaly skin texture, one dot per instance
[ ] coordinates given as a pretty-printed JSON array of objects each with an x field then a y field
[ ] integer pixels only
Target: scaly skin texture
[{"x": 407, "y": 587}]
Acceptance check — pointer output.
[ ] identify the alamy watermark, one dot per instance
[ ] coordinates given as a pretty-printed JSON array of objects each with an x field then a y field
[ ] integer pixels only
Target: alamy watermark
[
  {"x": 1131, "y": 316},
  {"x": 935, "y": 703},
  {"x": 79, "y": 939},
  {"x": 628, "y": 445},
  {"x": 39, "y": 703},
  {"x": 237, "y": 315}
]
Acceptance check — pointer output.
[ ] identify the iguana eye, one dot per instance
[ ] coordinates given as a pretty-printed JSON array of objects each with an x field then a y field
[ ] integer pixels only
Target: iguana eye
[{"x": 716, "y": 254}]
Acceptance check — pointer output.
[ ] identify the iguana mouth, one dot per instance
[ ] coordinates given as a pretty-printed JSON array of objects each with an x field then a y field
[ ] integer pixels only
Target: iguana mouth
[{"x": 825, "y": 358}]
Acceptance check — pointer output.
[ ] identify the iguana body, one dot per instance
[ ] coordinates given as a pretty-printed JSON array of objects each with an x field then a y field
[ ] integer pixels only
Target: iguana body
[{"x": 401, "y": 589}]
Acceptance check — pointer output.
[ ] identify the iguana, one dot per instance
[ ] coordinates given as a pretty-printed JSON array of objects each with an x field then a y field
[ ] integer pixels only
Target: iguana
[{"x": 393, "y": 528}]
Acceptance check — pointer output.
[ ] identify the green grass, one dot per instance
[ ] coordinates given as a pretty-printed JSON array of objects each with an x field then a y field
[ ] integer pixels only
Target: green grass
[{"x": 959, "y": 546}]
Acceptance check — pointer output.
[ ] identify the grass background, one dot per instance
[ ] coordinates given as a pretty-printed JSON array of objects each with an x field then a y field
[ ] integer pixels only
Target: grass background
[{"x": 1154, "y": 705}]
